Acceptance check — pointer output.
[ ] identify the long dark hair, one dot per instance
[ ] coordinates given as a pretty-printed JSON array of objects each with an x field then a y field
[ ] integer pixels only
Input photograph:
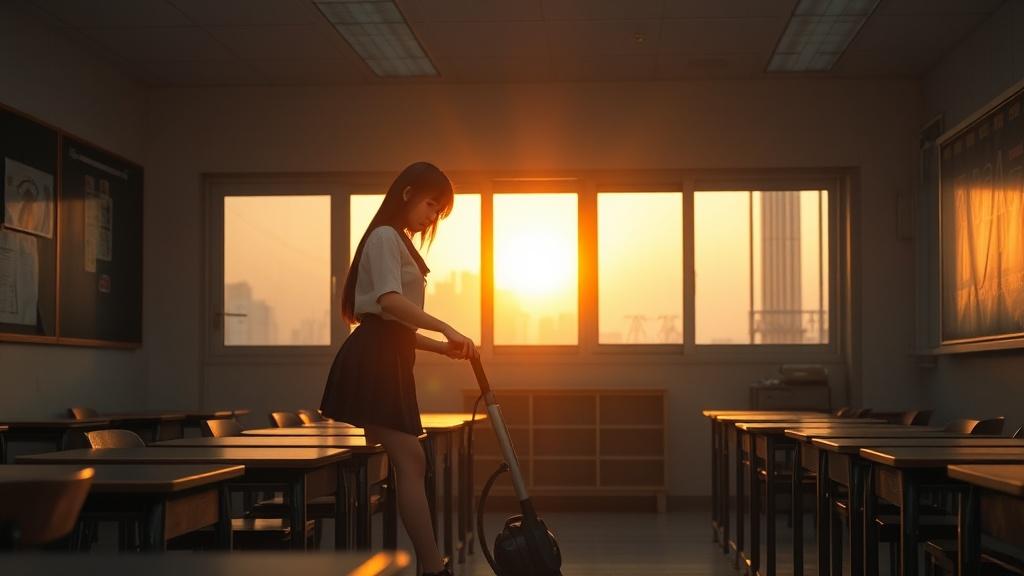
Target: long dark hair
[{"x": 421, "y": 179}]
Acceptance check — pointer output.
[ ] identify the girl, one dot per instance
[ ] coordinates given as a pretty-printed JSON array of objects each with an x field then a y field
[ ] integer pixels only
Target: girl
[{"x": 371, "y": 381}]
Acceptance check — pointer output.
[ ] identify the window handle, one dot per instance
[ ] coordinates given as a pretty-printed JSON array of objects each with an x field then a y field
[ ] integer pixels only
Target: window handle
[{"x": 218, "y": 318}]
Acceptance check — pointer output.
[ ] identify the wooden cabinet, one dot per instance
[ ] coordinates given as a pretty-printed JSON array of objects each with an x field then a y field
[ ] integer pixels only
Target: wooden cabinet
[{"x": 580, "y": 443}]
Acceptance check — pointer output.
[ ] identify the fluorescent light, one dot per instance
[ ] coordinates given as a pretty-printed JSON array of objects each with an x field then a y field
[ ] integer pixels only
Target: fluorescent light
[
  {"x": 818, "y": 33},
  {"x": 378, "y": 32}
]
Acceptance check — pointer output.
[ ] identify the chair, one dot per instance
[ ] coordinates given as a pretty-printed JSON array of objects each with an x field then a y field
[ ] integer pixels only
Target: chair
[
  {"x": 310, "y": 416},
  {"x": 221, "y": 427},
  {"x": 285, "y": 419},
  {"x": 82, "y": 412},
  {"x": 841, "y": 412},
  {"x": 39, "y": 511},
  {"x": 916, "y": 417},
  {"x": 1019, "y": 433},
  {"x": 975, "y": 427},
  {"x": 858, "y": 413},
  {"x": 114, "y": 439}
]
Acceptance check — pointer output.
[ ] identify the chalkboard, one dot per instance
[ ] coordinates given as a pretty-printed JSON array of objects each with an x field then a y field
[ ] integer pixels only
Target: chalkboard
[
  {"x": 28, "y": 230},
  {"x": 100, "y": 246},
  {"x": 982, "y": 224}
]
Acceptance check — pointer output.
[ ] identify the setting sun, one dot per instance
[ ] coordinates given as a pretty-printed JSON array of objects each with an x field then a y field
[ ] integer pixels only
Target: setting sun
[{"x": 534, "y": 263}]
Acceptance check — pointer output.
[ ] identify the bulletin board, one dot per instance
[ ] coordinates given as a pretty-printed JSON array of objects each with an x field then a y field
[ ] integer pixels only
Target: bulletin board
[
  {"x": 70, "y": 239},
  {"x": 982, "y": 225},
  {"x": 28, "y": 229},
  {"x": 100, "y": 246}
]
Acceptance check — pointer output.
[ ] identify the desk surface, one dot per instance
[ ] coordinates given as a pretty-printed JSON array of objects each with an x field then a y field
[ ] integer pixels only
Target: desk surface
[
  {"x": 933, "y": 456},
  {"x": 806, "y": 434},
  {"x": 128, "y": 477},
  {"x": 780, "y": 427},
  {"x": 54, "y": 424},
  {"x": 717, "y": 413},
  {"x": 305, "y": 431},
  {"x": 755, "y": 417},
  {"x": 144, "y": 416},
  {"x": 853, "y": 445},
  {"x": 249, "y": 457},
  {"x": 354, "y": 443},
  {"x": 1007, "y": 478},
  {"x": 208, "y": 564},
  {"x": 464, "y": 416}
]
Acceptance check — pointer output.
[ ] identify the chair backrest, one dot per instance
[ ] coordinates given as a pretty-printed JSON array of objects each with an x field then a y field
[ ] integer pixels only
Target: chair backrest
[
  {"x": 82, "y": 412},
  {"x": 989, "y": 427},
  {"x": 916, "y": 417},
  {"x": 310, "y": 416},
  {"x": 841, "y": 412},
  {"x": 37, "y": 511},
  {"x": 858, "y": 413},
  {"x": 1019, "y": 433},
  {"x": 222, "y": 427},
  {"x": 114, "y": 439},
  {"x": 961, "y": 425},
  {"x": 285, "y": 419}
]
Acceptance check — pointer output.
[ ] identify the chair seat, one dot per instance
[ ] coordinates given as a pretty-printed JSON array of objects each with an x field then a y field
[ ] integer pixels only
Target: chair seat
[
  {"x": 317, "y": 508},
  {"x": 929, "y": 528}
]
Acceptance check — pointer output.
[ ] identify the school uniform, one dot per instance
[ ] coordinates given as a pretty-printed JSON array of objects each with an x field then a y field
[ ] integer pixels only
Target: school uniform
[{"x": 371, "y": 381}]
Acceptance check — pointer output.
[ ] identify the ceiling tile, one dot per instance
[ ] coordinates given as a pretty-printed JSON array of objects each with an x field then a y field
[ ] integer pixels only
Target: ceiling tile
[
  {"x": 311, "y": 72},
  {"x": 448, "y": 43},
  {"x": 604, "y": 37},
  {"x": 729, "y": 8},
  {"x": 569, "y": 67},
  {"x": 159, "y": 44},
  {"x": 283, "y": 42},
  {"x": 249, "y": 12},
  {"x": 119, "y": 13},
  {"x": 209, "y": 72},
  {"x": 937, "y": 6},
  {"x": 674, "y": 66},
  {"x": 603, "y": 9},
  {"x": 721, "y": 35},
  {"x": 471, "y": 10}
]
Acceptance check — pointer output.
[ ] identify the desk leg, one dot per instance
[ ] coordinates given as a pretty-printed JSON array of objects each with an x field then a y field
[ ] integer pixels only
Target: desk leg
[
  {"x": 798, "y": 514},
  {"x": 470, "y": 494},
  {"x": 297, "y": 516},
  {"x": 715, "y": 506},
  {"x": 225, "y": 539},
  {"x": 390, "y": 512},
  {"x": 153, "y": 527},
  {"x": 431, "y": 479},
  {"x": 341, "y": 509},
  {"x": 723, "y": 486},
  {"x": 740, "y": 501},
  {"x": 856, "y": 518},
  {"x": 870, "y": 529},
  {"x": 769, "y": 505},
  {"x": 363, "y": 527},
  {"x": 908, "y": 525},
  {"x": 463, "y": 499},
  {"x": 823, "y": 515},
  {"x": 755, "y": 511},
  {"x": 449, "y": 548},
  {"x": 969, "y": 531}
]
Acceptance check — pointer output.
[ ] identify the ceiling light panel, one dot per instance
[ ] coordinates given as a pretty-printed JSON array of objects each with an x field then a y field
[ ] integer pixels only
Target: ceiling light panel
[
  {"x": 818, "y": 33},
  {"x": 378, "y": 32}
]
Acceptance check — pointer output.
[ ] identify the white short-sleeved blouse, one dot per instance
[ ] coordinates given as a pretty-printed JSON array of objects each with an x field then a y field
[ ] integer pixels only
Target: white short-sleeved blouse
[{"x": 386, "y": 266}]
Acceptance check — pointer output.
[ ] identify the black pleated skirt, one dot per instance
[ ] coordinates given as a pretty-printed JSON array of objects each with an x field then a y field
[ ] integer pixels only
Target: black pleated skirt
[{"x": 371, "y": 381}]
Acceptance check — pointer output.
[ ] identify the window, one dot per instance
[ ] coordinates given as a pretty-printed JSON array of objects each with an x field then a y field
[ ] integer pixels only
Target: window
[
  {"x": 277, "y": 270},
  {"x": 640, "y": 267},
  {"x": 453, "y": 285},
  {"x": 761, "y": 265},
  {"x": 536, "y": 287}
]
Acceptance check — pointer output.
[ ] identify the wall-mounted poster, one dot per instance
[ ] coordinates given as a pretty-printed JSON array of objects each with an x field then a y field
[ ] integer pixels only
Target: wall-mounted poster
[
  {"x": 28, "y": 199},
  {"x": 982, "y": 226}
]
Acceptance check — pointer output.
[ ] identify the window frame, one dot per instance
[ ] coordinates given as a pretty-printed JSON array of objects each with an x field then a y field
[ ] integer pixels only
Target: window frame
[{"x": 587, "y": 185}]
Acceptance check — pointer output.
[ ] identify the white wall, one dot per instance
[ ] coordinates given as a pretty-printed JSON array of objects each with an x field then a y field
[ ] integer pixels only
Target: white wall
[
  {"x": 48, "y": 76},
  {"x": 870, "y": 125},
  {"x": 986, "y": 64}
]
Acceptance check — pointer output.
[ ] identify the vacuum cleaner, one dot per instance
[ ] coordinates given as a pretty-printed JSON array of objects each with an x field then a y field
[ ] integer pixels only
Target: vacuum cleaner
[{"x": 525, "y": 547}]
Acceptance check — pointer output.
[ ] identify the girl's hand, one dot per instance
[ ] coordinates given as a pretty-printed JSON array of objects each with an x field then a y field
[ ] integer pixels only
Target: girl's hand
[{"x": 459, "y": 346}]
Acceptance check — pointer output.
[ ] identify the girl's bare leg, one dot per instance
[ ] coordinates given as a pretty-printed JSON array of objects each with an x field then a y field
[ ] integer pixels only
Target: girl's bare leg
[{"x": 410, "y": 464}]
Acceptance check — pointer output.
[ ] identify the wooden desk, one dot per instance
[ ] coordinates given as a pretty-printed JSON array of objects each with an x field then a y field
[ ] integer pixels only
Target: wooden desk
[
  {"x": 151, "y": 426},
  {"x": 364, "y": 458},
  {"x": 897, "y": 474},
  {"x": 3, "y": 445},
  {"x": 166, "y": 500},
  {"x": 305, "y": 431},
  {"x": 54, "y": 431},
  {"x": 466, "y": 484},
  {"x": 811, "y": 457},
  {"x": 441, "y": 433},
  {"x": 208, "y": 564},
  {"x": 993, "y": 505},
  {"x": 725, "y": 435},
  {"x": 307, "y": 472}
]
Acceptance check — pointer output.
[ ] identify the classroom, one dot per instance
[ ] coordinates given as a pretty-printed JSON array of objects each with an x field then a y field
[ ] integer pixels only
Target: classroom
[{"x": 516, "y": 287}]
